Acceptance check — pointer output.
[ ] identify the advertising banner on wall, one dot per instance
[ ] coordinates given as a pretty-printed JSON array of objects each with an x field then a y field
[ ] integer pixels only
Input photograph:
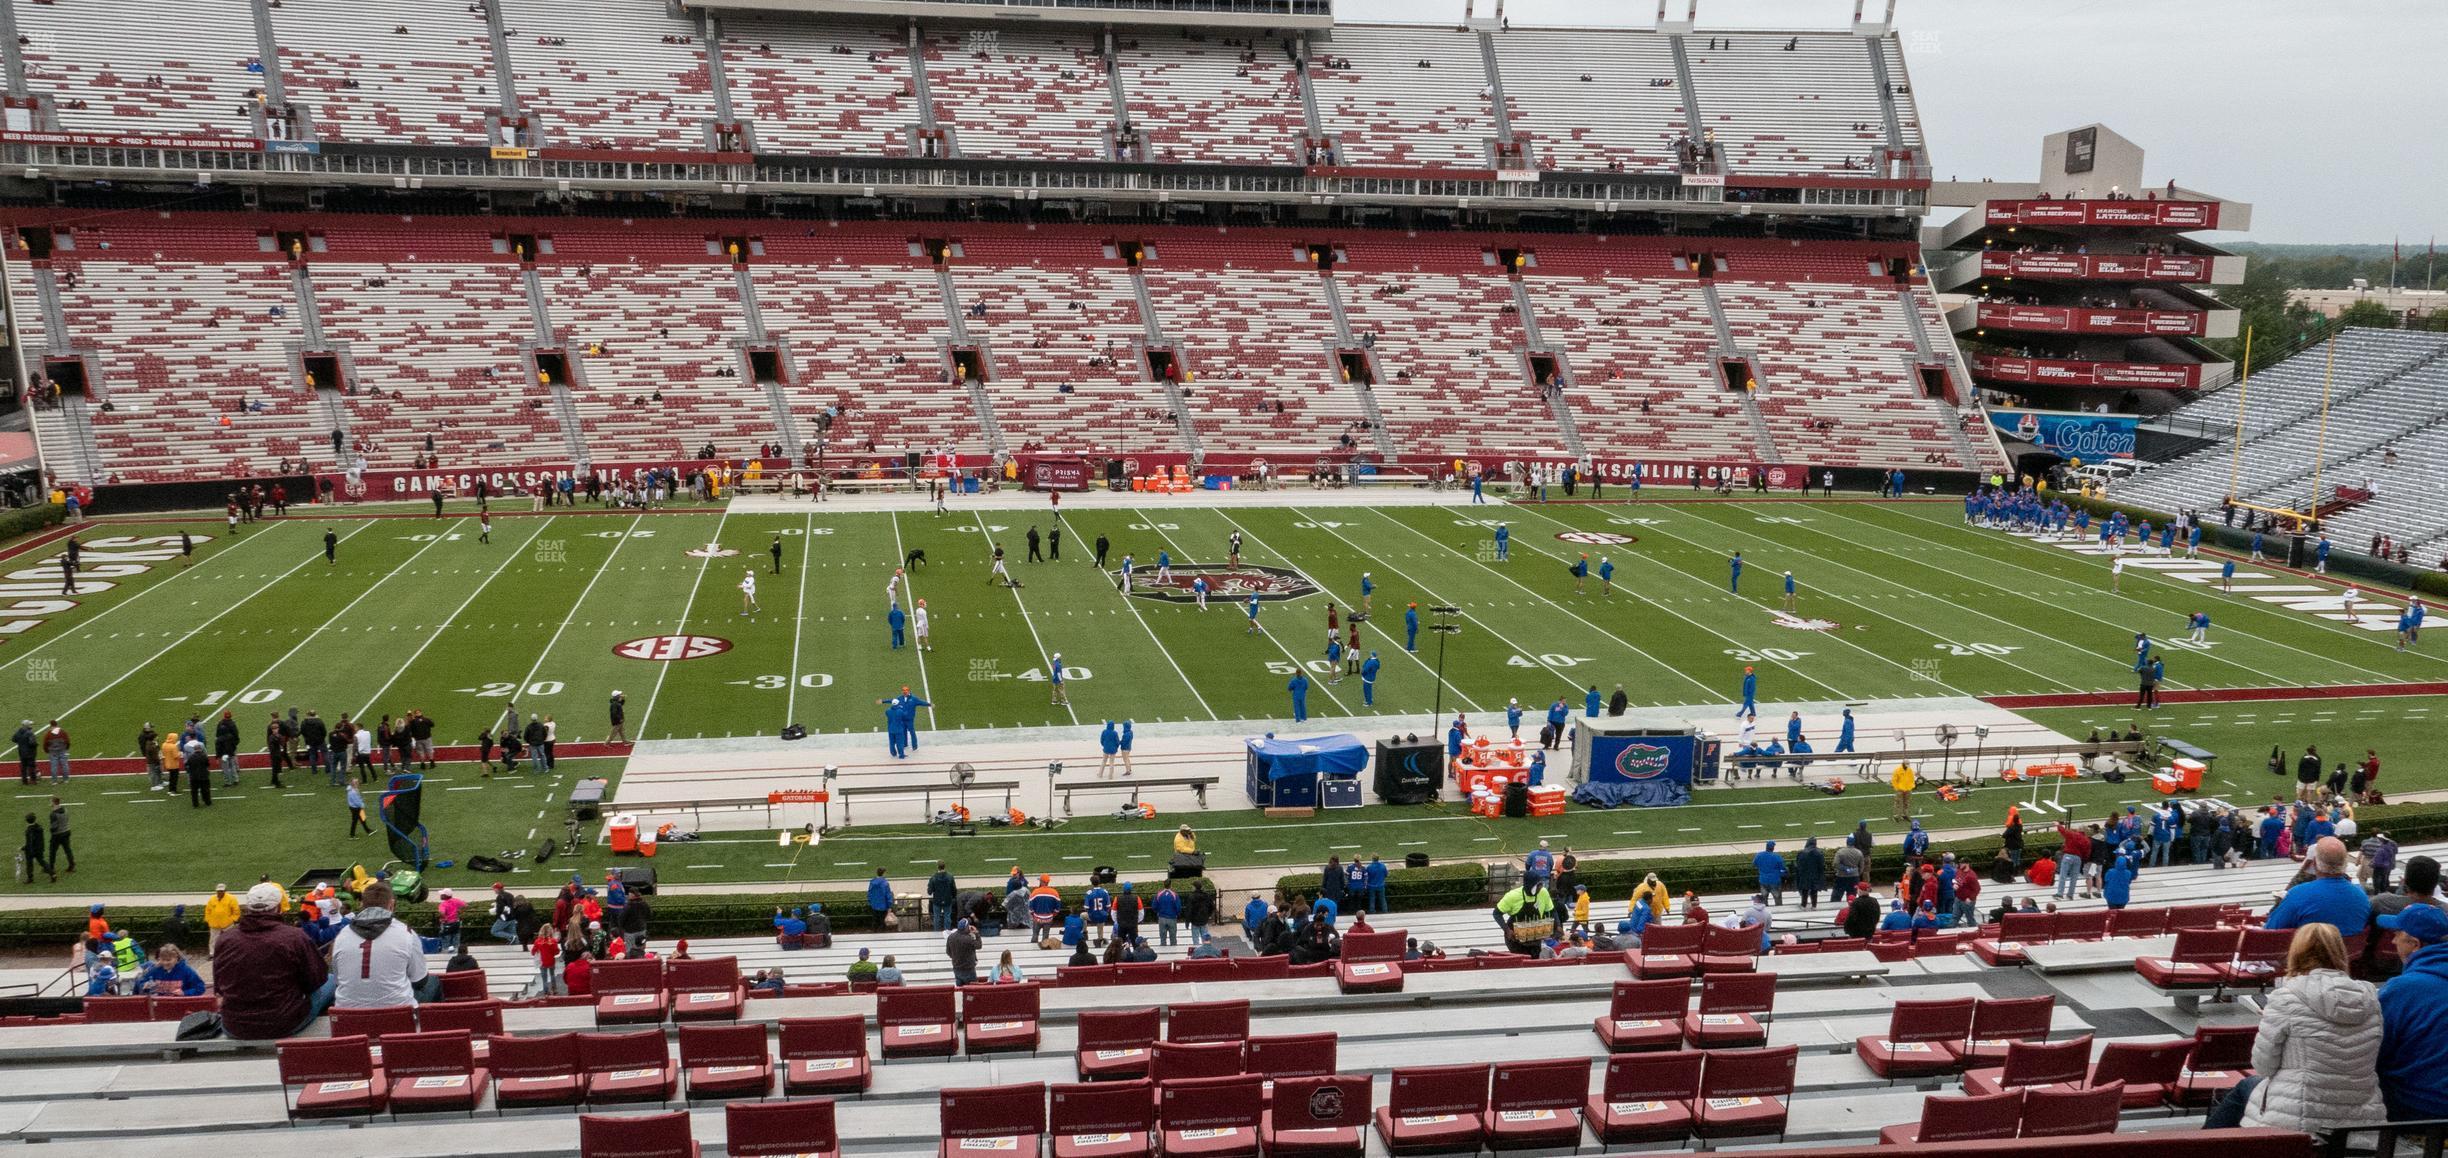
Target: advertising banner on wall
[{"x": 2066, "y": 434}]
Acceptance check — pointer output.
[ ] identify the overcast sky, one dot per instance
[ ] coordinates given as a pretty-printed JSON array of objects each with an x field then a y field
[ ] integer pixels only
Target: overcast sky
[{"x": 2332, "y": 150}]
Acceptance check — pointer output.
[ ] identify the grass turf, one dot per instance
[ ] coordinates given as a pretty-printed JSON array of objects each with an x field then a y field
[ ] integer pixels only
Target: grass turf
[{"x": 418, "y": 614}]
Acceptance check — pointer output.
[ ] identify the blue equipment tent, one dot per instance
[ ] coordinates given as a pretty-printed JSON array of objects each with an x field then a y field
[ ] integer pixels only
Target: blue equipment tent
[{"x": 1286, "y": 773}]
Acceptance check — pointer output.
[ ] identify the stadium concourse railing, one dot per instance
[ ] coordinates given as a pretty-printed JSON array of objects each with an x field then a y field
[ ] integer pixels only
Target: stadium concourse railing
[{"x": 204, "y": 160}]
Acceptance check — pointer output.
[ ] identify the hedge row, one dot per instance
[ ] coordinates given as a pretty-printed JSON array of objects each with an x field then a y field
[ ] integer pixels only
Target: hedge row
[
  {"x": 27, "y": 520},
  {"x": 1462, "y": 884},
  {"x": 691, "y": 915}
]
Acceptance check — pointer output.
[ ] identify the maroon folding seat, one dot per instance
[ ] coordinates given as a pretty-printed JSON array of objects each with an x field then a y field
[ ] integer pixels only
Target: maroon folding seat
[
  {"x": 635, "y": 1136},
  {"x": 1730, "y": 1005},
  {"x": 999, "y": 1018},
  {"x": 1318, "y": 1116},
  {"x": 1171, "y": 1061},
  {"x": 992, "y": 1120},
  {"x": 722, "y": 1061},
  {"x": 1724, "y": 950},
  {"x": 1115, "y": 1043},
  {"x": 432, "y": 1072},
  {"x": 824, "y": 1055},
  {"x": 1536, "y": 1105},
  {"x": 2032, "y": 1064},
  {"x": 1210, "y": 1117},
  {"x": 781, "y": 1130},
  {"x": 2197, "y": 962},
  {"x": 1435, "y": 1110},
  {"x": 1922, "y": 1038},
  {"x": 334, "y": 1077},
  {"x": 536, "y": 1071},
  {"x": 705, "y": 989},
  {"x": 2149, "y": 1071},
  {"x": 2056, "y": 1112},
  {"x": 1972, "y": 1118},
  {"x": 1103, "y": 1119},
  {"x": 916, "y": 1021},
  {"x": 1997, "y": 1023},
  {"x": 1371, "y": 962},
  {"x": 1203, "y": 1022},
  {"x": 1666, "y": 951},
  {"x": 2081, "y": 925},
  {"x": 627, "y": 1067},
  {"x": 2259, "y": 955},
  {"x": 464, "y": 985},
  {"x": 1646, "y": 1097},
  {"x": 481, "y": 1019},
  {"x": 1291, "y": 1055},
  {"x": 1645, "y": 1015},
  {"x": 2149, "y": 922},
  {"x": 2220, "y": 1061},
  {"x": 119, "y": 1010},
  {"x": 629, "y": 992},
  {"x": 1743, "y": 1093},
  {"x": 375, "y": 1022}
]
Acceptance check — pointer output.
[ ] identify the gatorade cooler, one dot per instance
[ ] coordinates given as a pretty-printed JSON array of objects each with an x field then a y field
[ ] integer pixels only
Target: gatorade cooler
[
  {"x": 622, "y": 833},
  {"x": 1547, "y": 801},
  {"x": 2189, "y": 774},
  {"x": 646, "y": 844}
]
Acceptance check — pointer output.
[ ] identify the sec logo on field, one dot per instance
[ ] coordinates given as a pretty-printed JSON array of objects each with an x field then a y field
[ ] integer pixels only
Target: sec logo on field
[
  {"x": 1596, "y": 538},
  {"x": 669, "y": 648}
]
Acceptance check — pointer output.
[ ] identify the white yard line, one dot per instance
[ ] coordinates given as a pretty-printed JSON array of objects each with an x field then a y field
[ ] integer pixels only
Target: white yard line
[
  {"x": 1043, "y": 654},
  {"x": 572, "y": 615},
  {"x": 807, "y": 546},
  {"x": 909, "y": 588},
  {"x": 1271, "y": 637},
  {"x": 198, "y": 629},
  {"x": 438, "y": 539},
  {"x": 452, "y": 618},
  {"x": 686, "y": 609}
]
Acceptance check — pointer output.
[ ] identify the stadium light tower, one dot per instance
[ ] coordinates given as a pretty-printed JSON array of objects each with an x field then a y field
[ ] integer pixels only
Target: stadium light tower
[{"x": 1445, "y": 628}]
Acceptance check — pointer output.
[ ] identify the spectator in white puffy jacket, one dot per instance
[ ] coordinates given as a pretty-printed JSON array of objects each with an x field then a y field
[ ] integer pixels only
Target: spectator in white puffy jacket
[{"x": 2316, "y": 1059}]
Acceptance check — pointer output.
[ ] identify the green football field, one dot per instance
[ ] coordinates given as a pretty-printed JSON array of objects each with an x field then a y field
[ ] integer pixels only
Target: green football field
[{"x": 560, "y": 610}]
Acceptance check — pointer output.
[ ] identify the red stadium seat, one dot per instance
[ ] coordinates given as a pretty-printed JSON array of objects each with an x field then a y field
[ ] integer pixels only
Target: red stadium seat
[
  {"x": 2056, "y": 1112},
  {"x": 995, "y": 1119},
  {"x": 1730, "y": 1009},
  {"x": 723, "y": 1061},
  {"x": 1646, "y": 1097},
  {"x": 1435, "y": 1110},
  {"x": 1371, "y": 963},
  {"x": 635, "y": 1136},
  {"x": 1211, "y": 1117},
  {"x": 824, "y": 1055},
  {"x": 630, "y": 992},
  {"x": 916, "y": 1021},
  {"x": 1171, "y": 1062},
  {"x": 536, "y": 1071},
  {"x": 2220, "y": 1061},
  {"x": 1205, "y": 1022},
  {"x": 375, "y": 1023},
  {"x": 1645, "y": 1015},
  {"x": 1299, "y": 1055},
  {"x": 1103, "y": 1120},
  {"x": 2149, "y": 922},
  {"x": 780, "y": 1130},
  {"x": 2015, "y": 931},
  {"x": 2199, "y": 960},
  {"x": 2148, "y": 1071},
  {"x": 1973, "y": 1118},
  {"x": 1998, "y": 1023},
  {"x": 334, "y": 1077},
  {"x": 999, "y": 1018},
  {"x": 1724, "y": 950},
  {"x": 1922, "y": 1038},
  {"x": 1536, "y": 1105},
  {"x": 2030, "y": 1063},
  {"x": 1743, "y": 1093},
  {"x": 464, "y": 985},
  {"x": 1318, "y": 1116},
  {"x": 2258, "y": 958},
  {"x": 627, "y": 1067},
  {"x": 433, "y": 1072},
  {"x": 705, "y": 989},
  {"x": 1667, "y": 951},
  {"x": 1115, "y": 1043}
]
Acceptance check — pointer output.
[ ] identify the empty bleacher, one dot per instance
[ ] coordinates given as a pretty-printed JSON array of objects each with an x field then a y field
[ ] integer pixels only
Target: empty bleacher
[
  {"x": 126, "y": 66},
  {"x": 1586, "y": 101},
  {"x": 809, "y": 88},
  {"x": 1835, "y": 369},
  {"x": 863, "y": 322},
  {"x": 2386, "y": 390},
  {"x": 655, "y": 330},
  {"x": 1051, "y": 327},
  {"x": 1413, "y": 97},
  {"x": 616, "y": 74},
  {"x": 414, "y": 72},
  {"x": 1448, "y": 354},
  {"x": 1814, "y": 110},
  {"x": 442, "y": 341},
  {"x": 1022, "y": 94},
  {"x": 1205, "y": 99},
  {"x": 1257, "y": 343}
]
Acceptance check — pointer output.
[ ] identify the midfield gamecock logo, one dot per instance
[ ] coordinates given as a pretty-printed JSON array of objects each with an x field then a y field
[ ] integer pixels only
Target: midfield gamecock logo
[
  {"x": 1643, "y": 761},
  {"x": 1224, "y": 583}
]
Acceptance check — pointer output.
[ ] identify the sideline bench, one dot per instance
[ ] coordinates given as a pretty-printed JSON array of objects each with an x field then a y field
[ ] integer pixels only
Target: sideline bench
[
  {"x": 926, "y": 794},
  {"x": 1133, "y": 785}
]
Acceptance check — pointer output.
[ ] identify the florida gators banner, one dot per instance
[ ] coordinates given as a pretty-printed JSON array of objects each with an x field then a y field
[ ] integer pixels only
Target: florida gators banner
[
  {"x": 1644, "y": 769},
  {"x": 2068, "y": 434}
]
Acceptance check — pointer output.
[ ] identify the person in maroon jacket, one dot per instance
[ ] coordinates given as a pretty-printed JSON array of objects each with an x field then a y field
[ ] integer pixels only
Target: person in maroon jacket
[
  {"x": 2072, "y": 854},
  {"x": 267, "y": 973}
]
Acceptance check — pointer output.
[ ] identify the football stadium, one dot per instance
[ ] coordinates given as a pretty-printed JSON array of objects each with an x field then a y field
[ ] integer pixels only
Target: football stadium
[{"x": 1097, "y": 564}]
